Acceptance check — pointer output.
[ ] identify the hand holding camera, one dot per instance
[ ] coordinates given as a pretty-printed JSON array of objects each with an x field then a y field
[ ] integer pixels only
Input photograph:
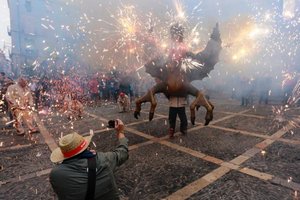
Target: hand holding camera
[{"x": 118, "y": 125}]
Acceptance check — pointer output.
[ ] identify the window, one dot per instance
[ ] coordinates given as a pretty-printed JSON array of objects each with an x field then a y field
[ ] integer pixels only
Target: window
[{"x": 28, "y": 5}]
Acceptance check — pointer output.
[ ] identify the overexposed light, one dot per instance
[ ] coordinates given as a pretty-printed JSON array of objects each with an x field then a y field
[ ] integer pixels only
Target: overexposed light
[{"x": 288, "y": 11}]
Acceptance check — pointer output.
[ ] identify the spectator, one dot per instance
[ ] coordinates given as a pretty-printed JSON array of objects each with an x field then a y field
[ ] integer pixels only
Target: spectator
[
  {"x": 75, "y": 108},
  {"x": 34, "y": 89},
  {"x": 20, "y": 102},
  {"x": 70, "y": 179},
  {"x": 247, "y": 88},
  {"x": 5, "y": 82},
  {"x": 103, "y": 89},
  {"x": 94, "y": 90},
  {"x": 264, "y": 86},
  {"x": 123, "y": 102}
]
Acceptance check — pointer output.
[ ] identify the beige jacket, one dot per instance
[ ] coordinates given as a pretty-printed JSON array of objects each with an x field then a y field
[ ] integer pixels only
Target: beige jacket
[
  {"x": 124, "y": 101},
  {"x": 19, "y": 97}
]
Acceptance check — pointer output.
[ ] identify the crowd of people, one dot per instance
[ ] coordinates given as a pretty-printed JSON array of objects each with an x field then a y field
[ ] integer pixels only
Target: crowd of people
[
  {"x": 69, "y": 93},
  {"x": 92, "y": 89},
  {"x": 77, "y": 160},
  {"x": 66, "y": 93},
  {"x": 250, "y": 91}
]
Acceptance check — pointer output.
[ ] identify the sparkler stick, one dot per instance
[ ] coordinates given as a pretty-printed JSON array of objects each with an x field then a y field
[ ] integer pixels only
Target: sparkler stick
[{"x": 10, "y": 122}]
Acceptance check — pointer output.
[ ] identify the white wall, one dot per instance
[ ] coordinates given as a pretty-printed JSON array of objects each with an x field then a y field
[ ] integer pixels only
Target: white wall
[{"x": 4, "y": 23}]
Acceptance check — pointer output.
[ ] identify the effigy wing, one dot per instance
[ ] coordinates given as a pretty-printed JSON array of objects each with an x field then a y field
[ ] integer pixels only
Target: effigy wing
[
  {"x": 157, "y": 68},
  {"x": 207, "y": 58}
]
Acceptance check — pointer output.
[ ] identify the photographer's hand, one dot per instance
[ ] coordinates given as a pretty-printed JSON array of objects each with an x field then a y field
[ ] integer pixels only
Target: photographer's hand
[{"x": 120, "y": 128}]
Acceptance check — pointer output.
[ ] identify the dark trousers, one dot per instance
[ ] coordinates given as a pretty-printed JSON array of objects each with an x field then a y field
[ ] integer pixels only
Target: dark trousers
[
  {"x": 263, "y": 98},
  {"x": 173, "y": 111},
  {"x": 245, "y": 101}
]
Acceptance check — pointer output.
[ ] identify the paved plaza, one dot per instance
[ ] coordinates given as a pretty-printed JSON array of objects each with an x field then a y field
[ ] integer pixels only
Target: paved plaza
[{"x": 243, "y": 154}]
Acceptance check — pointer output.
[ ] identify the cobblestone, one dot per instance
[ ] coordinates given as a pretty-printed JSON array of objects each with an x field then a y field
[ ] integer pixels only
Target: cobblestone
[
  {"x": 281, "y": 159},
  {"x": 217, "y": 143},
  {"x": 257, "y": 166},
  {"x": 236, "y": 186},
  {"x": 264, "y": 126}
]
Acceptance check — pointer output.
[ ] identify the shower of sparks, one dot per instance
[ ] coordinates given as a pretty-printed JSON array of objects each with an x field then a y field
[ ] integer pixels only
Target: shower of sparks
[
  {"x": 122, "y": 34},
  {"x": 281, "y": 116},
  {"x": 38, "y": 154},
  {"x": 181, "y": 16},
  {"x": 288, "y": 9},
  {"x": 189, "y": 64},
  {"x": 123, "y": 37},
  {"x": 290, "y": 82},
  {"x": 294, "y": 98},
  {"x": 134, "y": 38}
]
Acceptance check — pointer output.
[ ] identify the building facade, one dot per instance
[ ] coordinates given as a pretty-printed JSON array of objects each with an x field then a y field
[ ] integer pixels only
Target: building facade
[
  {"x": 41, "y": 34},
  {"x": 5, "y": 65}
]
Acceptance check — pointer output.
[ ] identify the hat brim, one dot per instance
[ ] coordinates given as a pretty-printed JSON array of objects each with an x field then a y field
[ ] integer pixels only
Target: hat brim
[{"x": 57, "y": 155}]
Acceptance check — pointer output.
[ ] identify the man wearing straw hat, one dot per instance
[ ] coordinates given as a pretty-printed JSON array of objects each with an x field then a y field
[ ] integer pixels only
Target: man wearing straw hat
[{"x": 83, "y": 173}]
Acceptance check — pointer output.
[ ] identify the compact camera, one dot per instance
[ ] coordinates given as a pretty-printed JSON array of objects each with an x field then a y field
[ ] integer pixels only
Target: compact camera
[{"x": 111, "y": 124}]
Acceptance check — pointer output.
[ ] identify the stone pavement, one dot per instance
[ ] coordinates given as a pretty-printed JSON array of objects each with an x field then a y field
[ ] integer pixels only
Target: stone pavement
[{"x": 243, "y": 154}]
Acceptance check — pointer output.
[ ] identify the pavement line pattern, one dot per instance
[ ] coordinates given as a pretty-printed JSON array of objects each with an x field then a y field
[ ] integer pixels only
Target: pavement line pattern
[
  {"x": 234, "y": 164},
  {"x": 232, "y": 113},
  {"x": 150, "y": 137},
  {"x": 256, "y": 134},
  {"x": 145, "y": 120},
  {"x": 135, "y": 146},
  {"x": 260, "y": 135},
  {"x": 49, "y": 140},
  {"x": 15, "y": 147},
  {"x": 26, "y": 176},
  {"x": 294, "y": 186},
  {"x": 289, "y": 141},
  {"x": 65, "y": 123},
  {"x": 47, "y": 171},
  {"x": 199, "y": 184},
  {"x": 95, "y": 116},
  {"x": 246, "y": 115},
  {"x": 211, "y": 177},
  {"x": 257, "y": 174}
]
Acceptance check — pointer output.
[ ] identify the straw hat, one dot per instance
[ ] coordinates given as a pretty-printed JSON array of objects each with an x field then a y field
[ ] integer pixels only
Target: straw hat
[{"x": 70, "y": 145}]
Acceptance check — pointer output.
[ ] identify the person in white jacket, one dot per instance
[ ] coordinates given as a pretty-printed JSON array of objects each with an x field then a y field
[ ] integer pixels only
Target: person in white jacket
[
  {"x": 123, "y": 102},
  {"x": 20, "y": 102},
  {"x": 72, "y": 107}
]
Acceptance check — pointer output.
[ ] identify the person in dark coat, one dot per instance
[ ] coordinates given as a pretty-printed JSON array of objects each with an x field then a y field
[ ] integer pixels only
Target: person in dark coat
[{"x": 69, "y": 179}]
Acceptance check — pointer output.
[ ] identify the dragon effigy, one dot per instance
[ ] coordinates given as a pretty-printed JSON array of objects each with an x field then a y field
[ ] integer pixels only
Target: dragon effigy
[{"x": 179, "y": 69}]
